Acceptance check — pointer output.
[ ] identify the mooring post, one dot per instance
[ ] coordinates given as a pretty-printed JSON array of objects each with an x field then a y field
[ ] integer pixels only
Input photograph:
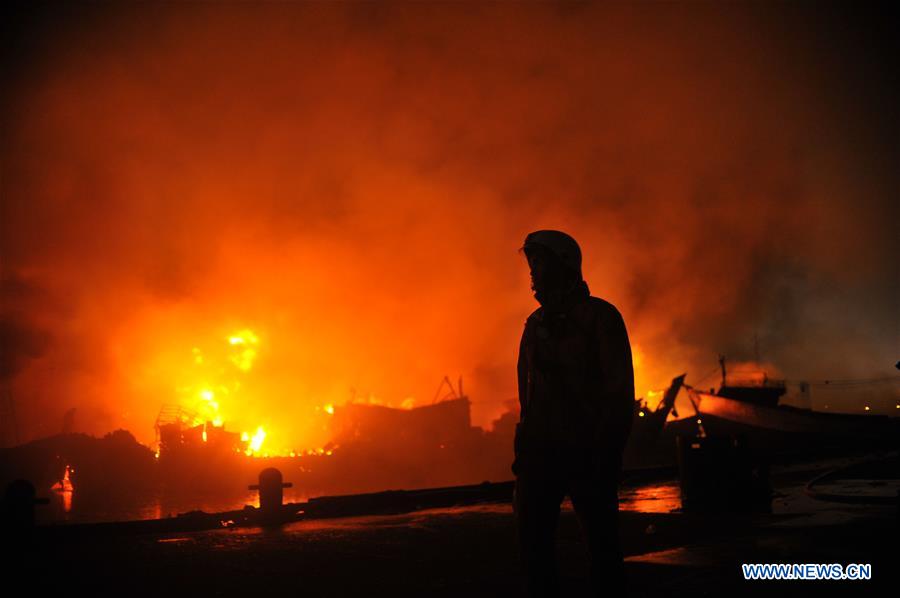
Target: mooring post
[{"x": 271, "y": 493}]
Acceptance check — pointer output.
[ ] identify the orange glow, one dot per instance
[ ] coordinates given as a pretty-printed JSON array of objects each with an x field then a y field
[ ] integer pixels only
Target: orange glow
[
  {"x": 255, "y": 441},
  {"x": 65, "y": 490},
  {"x": 750, "y": 373},
  {"x": 244, "y": 343},
  {"x": 216, "y": 375},
  {"x": 216, "y": 387},
  {"x": 65, "y": 484},
  {"x": 196, "y": 214},
  {"x": 658, "y": 498},
  {"x": 653, "y": 398},
  {"x": 639, "y": 363}
]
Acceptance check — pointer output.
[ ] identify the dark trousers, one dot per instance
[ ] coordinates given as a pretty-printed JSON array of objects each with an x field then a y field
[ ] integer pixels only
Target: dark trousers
[{"x": 539, "y": 492}]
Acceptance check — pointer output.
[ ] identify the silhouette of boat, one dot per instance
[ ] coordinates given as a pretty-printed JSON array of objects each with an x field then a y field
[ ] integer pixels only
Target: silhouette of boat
[
  {"x": 648, "y": 445},
  {"x": 751, "y": 408}
]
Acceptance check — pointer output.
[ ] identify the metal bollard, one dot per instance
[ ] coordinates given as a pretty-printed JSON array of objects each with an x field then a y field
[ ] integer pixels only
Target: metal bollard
[{"x": 271, "y": 493}]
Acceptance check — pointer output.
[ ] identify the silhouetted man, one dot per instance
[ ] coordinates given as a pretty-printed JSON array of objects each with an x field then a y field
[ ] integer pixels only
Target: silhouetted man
[{"x": 576, "y": 393}]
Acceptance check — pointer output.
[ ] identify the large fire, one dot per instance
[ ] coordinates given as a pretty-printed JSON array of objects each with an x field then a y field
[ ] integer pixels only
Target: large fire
[
  {"x": 216, "y": 389},
  {"x": 255, "y": 443},
  {"x": 213, "y": 388},
  {"x": 215, "y": 381},
  {"x": 217, "y": 376},
  {"x": 256, "y": 236}
]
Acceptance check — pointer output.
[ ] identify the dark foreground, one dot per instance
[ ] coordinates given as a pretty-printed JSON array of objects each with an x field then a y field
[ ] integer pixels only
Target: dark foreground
[{"x": 471, "y": 551}]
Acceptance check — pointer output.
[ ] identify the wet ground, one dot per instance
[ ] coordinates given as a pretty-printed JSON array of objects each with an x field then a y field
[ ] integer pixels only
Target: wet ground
[
  {"x": 658, "y": 496},
  {"x": 471, "y": 551}
]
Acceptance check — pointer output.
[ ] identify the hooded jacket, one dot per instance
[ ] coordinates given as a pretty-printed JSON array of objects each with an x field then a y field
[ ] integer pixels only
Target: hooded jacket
[{"x": 576, "y": 384}]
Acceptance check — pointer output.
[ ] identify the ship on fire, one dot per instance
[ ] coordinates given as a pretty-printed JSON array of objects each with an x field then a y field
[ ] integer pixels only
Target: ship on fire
[
  {"x": 372, "y": 447},
  {"x": 376, "y": 447}
]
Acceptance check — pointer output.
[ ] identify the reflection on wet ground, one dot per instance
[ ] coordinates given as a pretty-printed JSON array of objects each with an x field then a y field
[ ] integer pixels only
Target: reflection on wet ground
[
  {"x": 657, "y": 497},
  {"x": 472, "y": 550},
  {"x": 70, "y": 507},
  {"x": 664, "y": 497},
  {"x": 682, "y": 555},
  {"x": 66, "y": 507}
]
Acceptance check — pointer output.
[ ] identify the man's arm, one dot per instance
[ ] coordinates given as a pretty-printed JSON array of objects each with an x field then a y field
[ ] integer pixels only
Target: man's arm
[
  {"x": 617, "y": 381},
  {"x": 522, "y": 368},
  {"x": 522, "y": 373}
]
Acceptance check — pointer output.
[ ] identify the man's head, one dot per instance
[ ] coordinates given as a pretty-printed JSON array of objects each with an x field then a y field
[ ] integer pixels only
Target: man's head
[{"x": 555, "y": 262}]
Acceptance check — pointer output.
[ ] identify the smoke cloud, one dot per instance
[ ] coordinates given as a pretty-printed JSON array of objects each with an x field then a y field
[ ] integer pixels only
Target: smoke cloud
[{"x": 351, "y": 182}]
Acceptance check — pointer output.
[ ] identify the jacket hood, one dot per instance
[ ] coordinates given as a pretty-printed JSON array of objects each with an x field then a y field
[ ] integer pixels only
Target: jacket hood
[{"x": 560, "y": 244}]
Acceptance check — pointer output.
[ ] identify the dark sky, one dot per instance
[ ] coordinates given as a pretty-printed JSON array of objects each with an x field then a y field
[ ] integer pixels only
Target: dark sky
[{"x": 351, "y": 182}]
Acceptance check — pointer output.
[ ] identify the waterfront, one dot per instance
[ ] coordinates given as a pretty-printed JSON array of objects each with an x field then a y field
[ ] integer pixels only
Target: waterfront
[
  {"x": 657, "y": 497},
  {"x": 472, "y": 550}
]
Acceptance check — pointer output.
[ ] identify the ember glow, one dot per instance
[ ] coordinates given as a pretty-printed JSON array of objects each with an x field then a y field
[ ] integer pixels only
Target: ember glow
[
  {"x": 216, "y": 376},
  {"x": 65, "y": 484},
  {"x": 223, "y": 370},
  {"x": 64, "y": 490},
  {"x": 255, "y": 211},
  {"x": 244, "y": 343},
  {"x": 256, "y": 441}
]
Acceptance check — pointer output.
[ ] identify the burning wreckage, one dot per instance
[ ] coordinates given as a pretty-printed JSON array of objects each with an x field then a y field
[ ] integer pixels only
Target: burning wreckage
[
  {"x": 375, "y": 448},
  {"x": 372, "y": 447}
]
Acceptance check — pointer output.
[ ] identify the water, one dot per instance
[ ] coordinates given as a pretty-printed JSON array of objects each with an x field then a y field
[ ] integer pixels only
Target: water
[{"x": 65, "y": 507}]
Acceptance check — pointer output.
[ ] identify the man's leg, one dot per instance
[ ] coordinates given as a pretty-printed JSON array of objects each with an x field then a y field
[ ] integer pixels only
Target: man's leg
[
  {"x": 596, "y": 502},
  {"x": 536, "y": 502}
]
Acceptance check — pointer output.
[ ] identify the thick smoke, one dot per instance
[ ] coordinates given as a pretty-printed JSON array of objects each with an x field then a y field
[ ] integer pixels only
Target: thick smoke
[{"x": 352, "y": 182}]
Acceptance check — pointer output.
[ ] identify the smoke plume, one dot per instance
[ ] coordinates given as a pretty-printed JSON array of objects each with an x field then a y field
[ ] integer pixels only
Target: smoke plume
[{"x": 351, "y": 182}]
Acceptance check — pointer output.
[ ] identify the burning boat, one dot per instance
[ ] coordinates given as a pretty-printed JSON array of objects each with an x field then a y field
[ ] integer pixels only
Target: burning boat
[
  {"x": 372, "y": 447},
  {"x": 376, "y": 447},
  {"x": 192, "y": 449}
]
